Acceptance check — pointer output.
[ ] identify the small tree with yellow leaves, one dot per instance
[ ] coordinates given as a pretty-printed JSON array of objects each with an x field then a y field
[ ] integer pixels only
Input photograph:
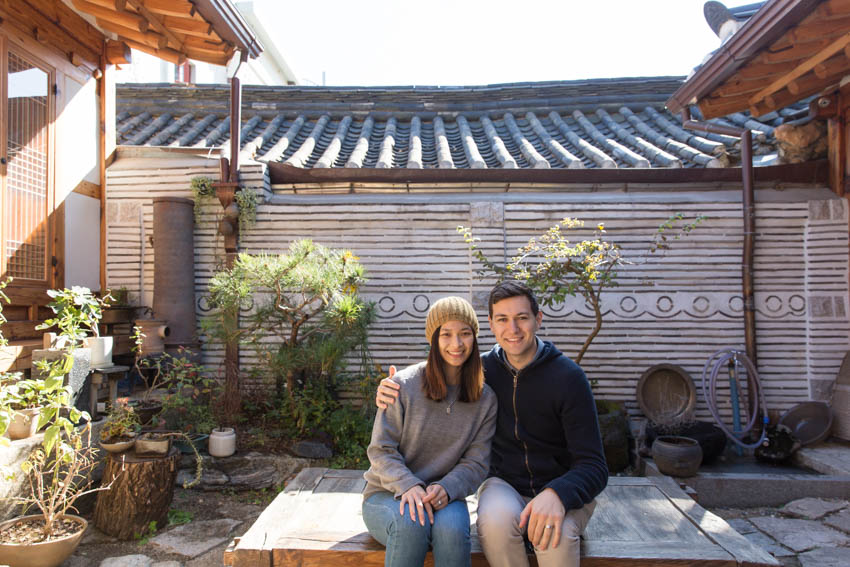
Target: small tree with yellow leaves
[{"x": 554, "y": 267}]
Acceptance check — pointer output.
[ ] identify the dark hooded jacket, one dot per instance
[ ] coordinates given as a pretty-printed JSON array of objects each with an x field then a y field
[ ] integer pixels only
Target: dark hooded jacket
[{"x": 547, "y": 433}]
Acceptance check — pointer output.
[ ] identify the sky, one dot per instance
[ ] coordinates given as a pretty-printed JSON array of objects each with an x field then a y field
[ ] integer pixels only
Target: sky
[{"x": 475, "y": 42}]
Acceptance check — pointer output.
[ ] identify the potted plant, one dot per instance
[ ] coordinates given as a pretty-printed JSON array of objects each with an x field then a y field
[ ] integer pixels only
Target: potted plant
[
  {"x": 78, "y": 312},
  {"x": 20, "y": 404},
  {"x": 186, "y": 406},
  {"x": 121, "y": 427},
  {"x": 57, "y": 473},
  {"x": 120, "y": 310}
]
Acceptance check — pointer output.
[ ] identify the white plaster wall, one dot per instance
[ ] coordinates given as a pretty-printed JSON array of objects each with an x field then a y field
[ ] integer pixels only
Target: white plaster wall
[
  {"x": 82, "y": 241},
  {"x": 76, "y": 148}
]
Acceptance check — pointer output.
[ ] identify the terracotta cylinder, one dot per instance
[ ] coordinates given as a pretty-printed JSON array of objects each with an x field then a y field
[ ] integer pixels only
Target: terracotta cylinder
[{"x": 174, "y": 268}]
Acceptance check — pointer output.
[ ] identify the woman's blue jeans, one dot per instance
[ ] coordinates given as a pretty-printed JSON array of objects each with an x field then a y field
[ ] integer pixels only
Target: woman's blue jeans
[{"x": 407, "y": 541}]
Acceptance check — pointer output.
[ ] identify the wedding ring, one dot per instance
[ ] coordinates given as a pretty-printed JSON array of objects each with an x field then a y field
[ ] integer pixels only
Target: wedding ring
[
  {"x": 547, "y": 527},
  {"x": 439, "y": 502},
  {"x": 419, "y": 504}
]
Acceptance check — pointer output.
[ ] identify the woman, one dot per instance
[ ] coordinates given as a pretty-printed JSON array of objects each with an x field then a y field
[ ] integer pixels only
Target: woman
[{"x": 431, "y": 449}]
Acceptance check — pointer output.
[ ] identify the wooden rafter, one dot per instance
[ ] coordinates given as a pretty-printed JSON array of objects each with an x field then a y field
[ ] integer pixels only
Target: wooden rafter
[
  {"x": 166, "y": 54},
  {"x": 150, "y": 38},
  {"x": 43, "y": 29},
  {"x": 157, "y": 24},
  {"x": 124, "y": 19},
  {"x": 801, "y": 69}
]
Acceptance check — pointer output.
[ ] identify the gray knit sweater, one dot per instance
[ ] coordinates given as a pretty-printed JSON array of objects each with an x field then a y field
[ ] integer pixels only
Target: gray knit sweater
[{"x": 415, "y": 441}]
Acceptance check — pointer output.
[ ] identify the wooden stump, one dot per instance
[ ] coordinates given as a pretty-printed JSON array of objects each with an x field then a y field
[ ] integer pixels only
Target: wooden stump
[{"x": 141, "y": 493}]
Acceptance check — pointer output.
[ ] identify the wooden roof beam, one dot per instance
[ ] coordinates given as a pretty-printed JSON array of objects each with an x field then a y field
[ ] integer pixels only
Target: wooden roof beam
[
  {"x": 814, "y": 30},
  {"x": 151, "y": 39},
  {"x": 190, "y": 27},
  {"x": 800, "y": 70},
  {"x": 171, "y": 8},
  {"x": 156, "y": 24},
  {"x": 39, "y": 25},
  {"x": 165, "y": 54},
  {"x": 124, "y": 19},
  {"x": 118, "y": 53}
]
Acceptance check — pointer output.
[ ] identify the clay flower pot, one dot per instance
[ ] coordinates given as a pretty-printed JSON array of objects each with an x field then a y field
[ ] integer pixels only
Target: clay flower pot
[
  {"x": 43, "y": 554},
  {"x": 118, "y": 446},
  {"x": 24, "y": 424},
  {"x": 677, "y": 456}
]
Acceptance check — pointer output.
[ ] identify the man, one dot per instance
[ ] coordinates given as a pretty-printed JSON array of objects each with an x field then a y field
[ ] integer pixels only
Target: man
[{"x": 547, "y": 463}]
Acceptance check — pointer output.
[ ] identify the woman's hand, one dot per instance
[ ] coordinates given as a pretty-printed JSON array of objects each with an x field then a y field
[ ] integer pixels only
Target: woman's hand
[
  {"x": 436, "y": 496},
  {"x": 387, "y": 391},
  {"x": 414, "y": 498}
]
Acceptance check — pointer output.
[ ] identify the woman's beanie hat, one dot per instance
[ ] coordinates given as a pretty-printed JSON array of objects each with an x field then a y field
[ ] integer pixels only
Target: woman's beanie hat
[{"x": 450, "y": 309}]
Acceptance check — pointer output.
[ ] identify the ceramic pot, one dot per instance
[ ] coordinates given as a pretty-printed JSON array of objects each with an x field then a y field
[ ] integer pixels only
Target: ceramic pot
[
  {"x": 147, "y": 446},
  {"x": 44, "y": 554},
  {"x": 198, "y": 440},
  {"x": 147, "y": 412},
  {"x": 677, "y": 456},
  {"x": 118, "y": 446},
  {"x": 101, "y": 351},
  {"x": 24, "y": 424},
  {"x": 222, "y": 442}
]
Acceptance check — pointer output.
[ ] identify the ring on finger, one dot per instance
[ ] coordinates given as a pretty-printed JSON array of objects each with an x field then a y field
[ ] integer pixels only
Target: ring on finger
[
  {"x": 419, "y": 503},
  {"x": 547, "y": 527}
]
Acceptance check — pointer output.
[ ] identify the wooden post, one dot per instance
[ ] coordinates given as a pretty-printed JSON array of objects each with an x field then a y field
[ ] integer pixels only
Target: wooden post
[{"x": 140, "y": 494}]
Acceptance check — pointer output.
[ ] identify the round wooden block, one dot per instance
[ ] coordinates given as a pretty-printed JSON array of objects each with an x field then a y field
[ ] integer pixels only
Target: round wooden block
[{"x": 141, "y": 493}]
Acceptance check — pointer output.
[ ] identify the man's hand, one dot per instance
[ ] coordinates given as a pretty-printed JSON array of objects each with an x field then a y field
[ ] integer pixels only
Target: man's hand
[
  {"x": 387, "y": 391},
  {"x": 544, "y": 515},
  {"x": 414, "y": 498}
]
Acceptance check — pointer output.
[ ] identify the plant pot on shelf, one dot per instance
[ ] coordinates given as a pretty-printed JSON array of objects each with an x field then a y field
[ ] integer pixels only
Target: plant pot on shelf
[
  {"x": 101, "y": 351},
  {"x": 42, "y": 554},
  {"x": 222, "y": 442},
  {"x": 118, "y": 446},
  {"x": 198, "y": 440},
  {"x": 146, "y": 410},
  {"x": 153, "y": 444},
  {"x": 677, "y": 456},
  {"x": 24, "y": 423}
]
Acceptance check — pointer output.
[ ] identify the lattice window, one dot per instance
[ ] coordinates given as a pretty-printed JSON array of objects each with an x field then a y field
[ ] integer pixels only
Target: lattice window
[{"x": 25, "y": 195}]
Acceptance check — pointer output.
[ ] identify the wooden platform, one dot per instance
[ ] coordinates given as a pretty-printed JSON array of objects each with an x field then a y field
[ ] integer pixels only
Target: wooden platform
[{"x": 316, "y": 520}]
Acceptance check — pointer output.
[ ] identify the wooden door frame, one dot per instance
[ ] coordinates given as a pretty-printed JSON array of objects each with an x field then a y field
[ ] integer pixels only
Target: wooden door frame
[{"x": 24, "y": 292}]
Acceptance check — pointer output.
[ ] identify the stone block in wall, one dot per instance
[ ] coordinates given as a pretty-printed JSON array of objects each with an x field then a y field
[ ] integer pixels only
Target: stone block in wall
[
  {"x": 819, "y": 211},
  {"x": 486, "y": 214},
  {"x": 827, "y": 307},
  {"x": 821, "y": 390},
  {"x": 839, "y": 209}
]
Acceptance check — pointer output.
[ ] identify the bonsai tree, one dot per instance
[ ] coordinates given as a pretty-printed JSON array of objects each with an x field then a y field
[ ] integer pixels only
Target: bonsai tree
[
  {"x": 307, "y": 298},
  {"x": 122, "y": 423},
  {"x": 555, "y": 267}
]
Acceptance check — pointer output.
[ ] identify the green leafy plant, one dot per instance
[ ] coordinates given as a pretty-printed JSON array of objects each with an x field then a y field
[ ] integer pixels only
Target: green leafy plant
[
  {"x": 247, "y": 200},
  {"x": 307, "y": 300},
  {"x": 121, "y": 423},
  {"x": 202, "y": 189},
  {"x": 147, "y": 533},
  {"x": 554, "y": 266},
  {"x": 188, "y": 404},
  {"x": 177, "y": 517},
  {"x": 77, "y": 309}
]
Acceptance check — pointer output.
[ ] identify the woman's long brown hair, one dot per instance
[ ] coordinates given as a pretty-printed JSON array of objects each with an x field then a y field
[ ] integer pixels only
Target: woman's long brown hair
[{"x": 471, "y": 373}]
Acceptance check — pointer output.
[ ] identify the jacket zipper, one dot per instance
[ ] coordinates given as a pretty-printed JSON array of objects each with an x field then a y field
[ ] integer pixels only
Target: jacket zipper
[{"x": 515, "y": 374}]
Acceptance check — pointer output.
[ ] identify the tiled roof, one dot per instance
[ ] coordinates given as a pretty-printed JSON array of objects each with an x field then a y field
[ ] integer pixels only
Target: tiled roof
[{"x": 599, "y": 123}]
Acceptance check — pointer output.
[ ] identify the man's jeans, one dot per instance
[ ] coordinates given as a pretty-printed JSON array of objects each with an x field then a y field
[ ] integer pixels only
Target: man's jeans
[
  {"x": 407, "y": 541},
  {"x": 499, "y": 508}
]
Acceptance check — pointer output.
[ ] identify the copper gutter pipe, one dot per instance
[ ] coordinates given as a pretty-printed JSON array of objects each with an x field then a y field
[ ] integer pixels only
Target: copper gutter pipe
[{"x": 749, "y": 210}]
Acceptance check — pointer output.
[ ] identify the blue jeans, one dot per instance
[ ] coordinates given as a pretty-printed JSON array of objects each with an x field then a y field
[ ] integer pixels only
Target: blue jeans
[{"x": 407, "y": 541}]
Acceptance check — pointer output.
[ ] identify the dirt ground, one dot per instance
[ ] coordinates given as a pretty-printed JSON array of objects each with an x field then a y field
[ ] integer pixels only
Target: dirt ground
[{"x": 241, "y": 506}]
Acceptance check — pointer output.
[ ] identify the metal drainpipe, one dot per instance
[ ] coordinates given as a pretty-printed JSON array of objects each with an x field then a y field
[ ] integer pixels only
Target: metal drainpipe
[{"x": 748, "y": 198}]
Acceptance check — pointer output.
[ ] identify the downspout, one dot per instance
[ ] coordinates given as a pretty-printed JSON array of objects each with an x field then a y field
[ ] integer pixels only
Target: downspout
[
  {"x": 748, "y": 198},
  {"x": 229, "y": 228}
]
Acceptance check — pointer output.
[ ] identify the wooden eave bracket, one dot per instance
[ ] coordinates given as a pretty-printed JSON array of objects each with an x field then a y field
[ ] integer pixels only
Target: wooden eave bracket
[{"x": 824, "y": 107}]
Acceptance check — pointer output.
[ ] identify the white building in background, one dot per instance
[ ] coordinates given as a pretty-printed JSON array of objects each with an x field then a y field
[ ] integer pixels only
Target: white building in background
[{"x": 268, "y": 69}]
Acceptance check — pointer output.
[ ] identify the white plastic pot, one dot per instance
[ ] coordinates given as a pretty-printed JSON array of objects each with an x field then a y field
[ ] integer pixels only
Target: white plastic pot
[
  {"x": 222, "y": 442},
  {"x": 101, "y": 351}
]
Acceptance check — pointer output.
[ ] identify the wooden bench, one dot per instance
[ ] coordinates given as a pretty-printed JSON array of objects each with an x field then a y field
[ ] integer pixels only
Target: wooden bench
[{"x": 638, "y": 521}]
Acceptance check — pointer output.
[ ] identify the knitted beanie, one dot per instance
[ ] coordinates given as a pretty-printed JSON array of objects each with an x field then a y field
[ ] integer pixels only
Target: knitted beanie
[{"x": 450, "y": 309}]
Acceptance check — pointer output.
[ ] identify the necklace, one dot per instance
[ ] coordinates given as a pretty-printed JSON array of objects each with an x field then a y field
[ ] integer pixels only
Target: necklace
[{"x": 451, "y": 403}]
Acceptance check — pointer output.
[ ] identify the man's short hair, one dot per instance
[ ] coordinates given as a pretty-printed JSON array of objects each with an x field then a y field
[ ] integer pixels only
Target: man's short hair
[{"x": 511, "y": 288}]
